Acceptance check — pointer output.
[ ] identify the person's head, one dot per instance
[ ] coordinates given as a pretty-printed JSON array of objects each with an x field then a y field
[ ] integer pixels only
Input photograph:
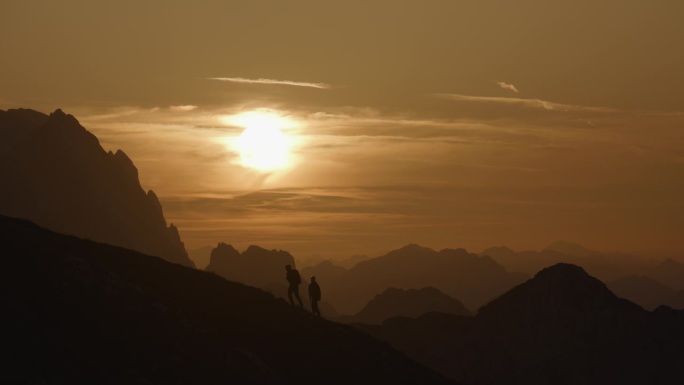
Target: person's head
[
  {"x": 313, "y": 279},
  {"x": 288, "y": 267}
]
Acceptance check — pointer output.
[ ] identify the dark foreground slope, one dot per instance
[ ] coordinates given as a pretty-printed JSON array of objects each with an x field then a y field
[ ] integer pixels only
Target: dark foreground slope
[
  {"x": 76, "y": 311},
  {"x": 561, "y": 327}
]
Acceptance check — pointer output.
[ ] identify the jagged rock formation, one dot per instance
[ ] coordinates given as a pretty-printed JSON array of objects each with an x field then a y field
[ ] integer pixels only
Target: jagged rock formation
[
  {"x": 407, "y": 303},
  {"x": 55, "y": 173},
  {"x": 76, "y": 311},
  {"x": 256, "y": 266},
  {"x": 561, "y": 327}
]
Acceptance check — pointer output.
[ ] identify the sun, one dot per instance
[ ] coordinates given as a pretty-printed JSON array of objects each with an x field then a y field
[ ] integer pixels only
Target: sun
[{"x": 263, "y": 146}]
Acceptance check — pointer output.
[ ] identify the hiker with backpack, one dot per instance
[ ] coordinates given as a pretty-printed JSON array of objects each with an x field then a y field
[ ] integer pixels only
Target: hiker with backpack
[{"x": 294, "y": 279}]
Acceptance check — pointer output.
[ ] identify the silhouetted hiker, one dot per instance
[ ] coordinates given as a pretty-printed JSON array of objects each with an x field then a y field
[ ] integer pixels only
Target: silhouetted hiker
[
  {"x": 294, "y": 279},
  {"x": 314, "y": 296}
]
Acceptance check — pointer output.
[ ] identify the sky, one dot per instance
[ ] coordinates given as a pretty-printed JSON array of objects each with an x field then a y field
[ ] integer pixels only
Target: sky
[{"x": 444, "y": 123}]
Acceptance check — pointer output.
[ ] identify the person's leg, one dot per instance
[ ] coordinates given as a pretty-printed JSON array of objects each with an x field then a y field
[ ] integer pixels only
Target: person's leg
[
  {"x": 314, "y": 308},
  {"x": 296, "y": 293},
  {"x": 291, "y": 290}
]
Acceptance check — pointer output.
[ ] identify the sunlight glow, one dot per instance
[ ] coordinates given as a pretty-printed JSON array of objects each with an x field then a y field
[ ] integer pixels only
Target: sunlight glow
[{"x": 262, "y": 145}]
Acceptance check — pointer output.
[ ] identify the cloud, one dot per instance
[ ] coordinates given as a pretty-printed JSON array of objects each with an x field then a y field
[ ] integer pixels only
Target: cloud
[
  {"x": 532, "y": 103},
  {"x": 507, "y": 86},
  {"x": 183, "y": 108},
  {"x": 273, "y": 82}
]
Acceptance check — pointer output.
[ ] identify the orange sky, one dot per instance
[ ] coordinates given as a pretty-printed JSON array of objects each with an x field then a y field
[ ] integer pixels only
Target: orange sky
[{"x": 444, "y": 123}]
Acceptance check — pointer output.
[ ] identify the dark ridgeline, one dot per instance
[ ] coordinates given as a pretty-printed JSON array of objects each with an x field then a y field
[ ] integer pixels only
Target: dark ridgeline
[
  {"x": 256, "y": 266},
  {"x": 646, "y": 282},
  {"x": 76, "y": 311},
  {"x": 468, "y": 277},
  {"x": 561, "y": 327},
  {"x": 407, "y": 303},
  {"x": 55, "y": 173}
]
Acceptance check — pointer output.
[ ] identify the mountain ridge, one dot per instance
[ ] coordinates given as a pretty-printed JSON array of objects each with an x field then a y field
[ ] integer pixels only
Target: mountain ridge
[{"x": 56, "y": 174}]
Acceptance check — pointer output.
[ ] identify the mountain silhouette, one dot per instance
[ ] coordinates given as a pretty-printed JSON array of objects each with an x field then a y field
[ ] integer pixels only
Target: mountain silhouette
[
  {"x": 255, "y": 266},
  {"x": 472, "y": 279},
  {"x": 55, "y": 173},
  {"x": 408, "y": 303},
  {"x": 77, "y": 311},
  {"x": 561, "y": 327},
  {"x": 646, "y": 282},
  {"x": 644, "y": 291}
]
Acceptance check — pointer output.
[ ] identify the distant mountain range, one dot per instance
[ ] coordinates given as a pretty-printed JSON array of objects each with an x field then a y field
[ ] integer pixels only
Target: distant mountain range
[
  {"x": 606, "y": 266},
  {"x": 77, "y": 311},
  {"x": 55, "y": 173},
  {"x": 647, "y": 282},
  {"x": 647, "y": 292},
  {"x": 561, "y": 327},
  {"x": 407, "y": 303},
  {"x": 472, "y": 279}
]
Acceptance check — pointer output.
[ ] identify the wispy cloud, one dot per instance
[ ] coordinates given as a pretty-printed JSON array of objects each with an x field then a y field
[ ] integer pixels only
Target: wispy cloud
[
  {"x": 273, "y": 82},
  {"x": 183, "y": 108},
  {"x": 507, "y": 86},
  {"x": 532, "y": 103}
]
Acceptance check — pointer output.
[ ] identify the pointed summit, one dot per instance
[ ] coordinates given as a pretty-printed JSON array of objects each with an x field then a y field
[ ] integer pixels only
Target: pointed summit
[
  {"x": 562, "y": 289},
  {"x": 58, "y": 117}
]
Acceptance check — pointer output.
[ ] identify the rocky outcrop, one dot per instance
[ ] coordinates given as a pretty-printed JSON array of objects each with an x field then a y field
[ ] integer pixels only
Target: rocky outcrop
[
  {"x": 255, "y": 266},
  {"x": 56, "y": 174}
]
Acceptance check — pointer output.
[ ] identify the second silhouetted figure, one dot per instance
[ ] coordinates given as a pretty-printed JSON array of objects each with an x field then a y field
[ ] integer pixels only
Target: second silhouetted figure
[
  {"x": 294, "y": 279},
  {"x": 314, "y": 296}
]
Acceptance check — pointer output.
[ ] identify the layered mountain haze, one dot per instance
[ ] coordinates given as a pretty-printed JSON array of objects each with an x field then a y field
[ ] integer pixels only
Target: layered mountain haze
[
  {"x": 55, "y": 173},
  {"x": 644, "y": 291},
  {"x": 77, "y": 311},
  {"x": 645, "y": 281},
  {"x": 406, "y": 303},
  {"x": 472, "y": 279},
  {"x": 562, "y": 326},
  {"x": 606, "y": 266}
]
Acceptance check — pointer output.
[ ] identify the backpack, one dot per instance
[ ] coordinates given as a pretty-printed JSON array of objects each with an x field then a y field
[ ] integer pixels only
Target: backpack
[{"x": 294, "y": 278}]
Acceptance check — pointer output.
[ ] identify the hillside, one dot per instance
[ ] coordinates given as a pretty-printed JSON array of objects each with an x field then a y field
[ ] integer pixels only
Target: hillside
[{"x": 77, "y": 311}]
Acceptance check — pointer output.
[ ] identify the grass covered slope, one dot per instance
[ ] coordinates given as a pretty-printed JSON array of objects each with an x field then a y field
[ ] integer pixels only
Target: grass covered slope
[{"x": 77, "y": 311}]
